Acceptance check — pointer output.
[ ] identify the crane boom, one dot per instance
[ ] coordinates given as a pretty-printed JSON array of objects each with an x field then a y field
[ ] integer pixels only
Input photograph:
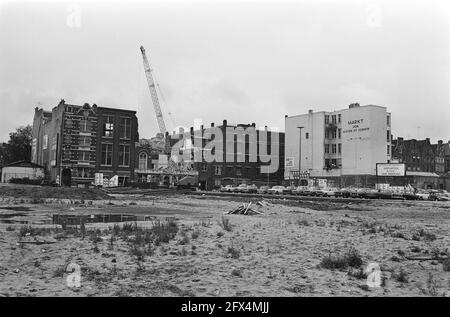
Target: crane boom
[{"x": 151, "y": 86}]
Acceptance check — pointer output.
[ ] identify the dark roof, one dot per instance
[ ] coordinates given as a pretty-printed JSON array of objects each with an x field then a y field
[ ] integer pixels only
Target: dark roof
[{"x": 23, "y": 164}]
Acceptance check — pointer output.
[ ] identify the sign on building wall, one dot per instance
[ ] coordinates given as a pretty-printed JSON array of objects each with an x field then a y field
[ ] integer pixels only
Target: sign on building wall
[
  {"x": 289, "y": 162},
  {"x": 391, "y": 169},
  {"x": 98, "y": 179}
]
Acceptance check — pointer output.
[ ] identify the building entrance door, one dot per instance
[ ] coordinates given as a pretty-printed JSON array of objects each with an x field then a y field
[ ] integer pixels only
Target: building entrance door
[{"x": 66, "y": 177}]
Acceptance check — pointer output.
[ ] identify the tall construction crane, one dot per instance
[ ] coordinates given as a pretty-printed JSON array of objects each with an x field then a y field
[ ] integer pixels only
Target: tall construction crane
[{"x": 152, "y": 87}]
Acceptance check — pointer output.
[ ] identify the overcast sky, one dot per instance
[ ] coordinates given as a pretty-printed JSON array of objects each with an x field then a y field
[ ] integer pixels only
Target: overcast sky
[{"x": 245, "y": 61}]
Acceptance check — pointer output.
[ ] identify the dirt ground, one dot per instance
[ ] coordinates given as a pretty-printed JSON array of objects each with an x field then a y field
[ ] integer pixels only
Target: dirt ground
[{"x": 287, "y": 251}]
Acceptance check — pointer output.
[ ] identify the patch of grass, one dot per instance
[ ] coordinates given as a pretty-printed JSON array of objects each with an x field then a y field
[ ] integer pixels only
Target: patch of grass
[
  {"x": 446, "y": 265},
  {"x": 351, "y": 258},
  {"x": 402, "y": 277},
  {"x": 204, "y": 223},
  {"x": 432, "y": 285},
  {"x": 184, "y": 238},
  {"x": 233, "y": 252},
  {"x": 225, "y": 224},
  {"x": 303, "y": 222},
  {"x": 195, "y": 234}
]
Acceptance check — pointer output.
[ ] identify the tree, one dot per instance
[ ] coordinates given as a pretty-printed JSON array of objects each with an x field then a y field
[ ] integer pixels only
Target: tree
[{"x": 18, "y": 147}]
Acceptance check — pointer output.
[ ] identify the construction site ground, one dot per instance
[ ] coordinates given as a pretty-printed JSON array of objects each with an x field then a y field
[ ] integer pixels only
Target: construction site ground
[{"x": 295, "y": 247}]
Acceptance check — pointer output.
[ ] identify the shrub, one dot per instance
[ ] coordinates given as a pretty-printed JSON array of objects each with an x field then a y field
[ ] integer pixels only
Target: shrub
[
  {"x": 195, "y": 234},
  {"x": 233, "y": 252},
  {"x": 351, "y": 258},
  {"x": 402, "y": 276}
]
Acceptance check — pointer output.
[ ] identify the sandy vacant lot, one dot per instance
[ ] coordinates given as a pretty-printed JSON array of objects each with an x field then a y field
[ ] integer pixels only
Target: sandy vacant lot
[{"x": 296, "y": 248}]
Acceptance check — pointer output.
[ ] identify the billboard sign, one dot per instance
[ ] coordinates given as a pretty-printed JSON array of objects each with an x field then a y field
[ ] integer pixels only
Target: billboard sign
[
  {"x": 391, "y": 169},
  {"x": 289, "y": 162}
]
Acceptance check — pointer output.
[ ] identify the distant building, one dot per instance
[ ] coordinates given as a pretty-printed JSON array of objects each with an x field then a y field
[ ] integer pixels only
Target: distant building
[
  {"x": 74, "y": 142},
  {"x": 447, "y": 156},
  {"x": 20, "y": 170},
  {"x": 424, "y": 161},
  {"x": 341, "y": 146},
  {"x": 235, "y": 165}
]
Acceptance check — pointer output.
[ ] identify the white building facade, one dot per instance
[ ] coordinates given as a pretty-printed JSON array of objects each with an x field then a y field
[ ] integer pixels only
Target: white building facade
[{"x": 348, "y": 142}]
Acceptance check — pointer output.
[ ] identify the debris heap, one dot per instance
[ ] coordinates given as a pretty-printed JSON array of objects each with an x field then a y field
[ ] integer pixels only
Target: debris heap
[{"x": 246, "y": 209}]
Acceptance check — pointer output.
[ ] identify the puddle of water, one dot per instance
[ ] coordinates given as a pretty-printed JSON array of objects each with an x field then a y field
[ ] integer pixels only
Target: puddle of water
[
  {"x": 12, "y": 221},
  {"x": 12, "y": 215},
  {"x": 97, "y": 218},
  {"x": 17, "y": 208}
]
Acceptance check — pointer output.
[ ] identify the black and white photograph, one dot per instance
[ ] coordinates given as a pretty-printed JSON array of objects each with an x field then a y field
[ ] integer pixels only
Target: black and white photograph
[{"x": 225, "y": 154}]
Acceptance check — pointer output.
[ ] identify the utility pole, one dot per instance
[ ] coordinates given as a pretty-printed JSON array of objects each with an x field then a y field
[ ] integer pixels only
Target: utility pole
[{"x": 299, "y": 154}]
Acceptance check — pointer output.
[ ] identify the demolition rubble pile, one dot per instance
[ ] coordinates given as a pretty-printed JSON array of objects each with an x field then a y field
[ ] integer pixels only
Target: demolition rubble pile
[{"x": 250, "y": 209}]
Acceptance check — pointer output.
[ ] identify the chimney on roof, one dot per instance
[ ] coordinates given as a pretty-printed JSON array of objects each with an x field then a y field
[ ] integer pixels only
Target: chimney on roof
[
  {"x": 212, "y": 124},
  {"x": 224, "y": 123},
  {"x": 310, "y": 111},
  {"x": 440, "y": 142},
  {"x": 253, "y": 124}
]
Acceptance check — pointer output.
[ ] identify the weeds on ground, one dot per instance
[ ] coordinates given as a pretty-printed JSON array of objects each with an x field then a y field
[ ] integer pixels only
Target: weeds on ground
[
  {"x": 225, "y": 224},
  {"x": 402, "y": 277},
  {"x": 351, "y": 258}
]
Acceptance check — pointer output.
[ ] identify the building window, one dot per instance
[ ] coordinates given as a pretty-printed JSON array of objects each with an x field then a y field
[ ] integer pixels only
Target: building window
[
  {"x": 108, "y": 127},
  {"x": 327, "y": 148},
  {"x": 204, "y": 167},
  {"x": 339, "y": 118},
  {"x": 143, "y": 161},
  {"x": 45, "y": 143},
  {"x": 388, "y": 120},
  {"x": 388, "y": 136},
  {"x": 333, "y": 162},
  {"x": 333, "y": 134},
  {"x": 339, "y": 148},
  {"x": 124, "y": 155},
  {"x": 306, "y": 135},
  {"x": 327, "y": 119},
  {"x": 333, "y": 119},
  {"x": 388, "y": 150},
  {"x": 327, "y": 163},
  {"x": 218, "y": 170},
  {"x": 84, "y": 156},
  {"x": 333, "y": 148},
  {"x": 125, "y": 126},
  {"x": 239, "y": 171},
  {"x": 85, "y": 125},
  {"x": 107, "y": 154},
  {"x": 85, "y": 141},
  {"x": 339, "y": 133}
]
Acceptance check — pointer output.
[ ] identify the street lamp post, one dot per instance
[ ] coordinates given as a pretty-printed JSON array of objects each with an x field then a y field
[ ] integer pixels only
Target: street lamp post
[{"x": 299, "y": 153}]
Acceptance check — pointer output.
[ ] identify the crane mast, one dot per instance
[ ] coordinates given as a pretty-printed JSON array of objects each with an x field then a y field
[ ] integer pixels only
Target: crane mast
[{"x": 151, "y": 86}]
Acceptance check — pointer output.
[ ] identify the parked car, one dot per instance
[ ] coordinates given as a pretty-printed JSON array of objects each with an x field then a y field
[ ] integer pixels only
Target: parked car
[
  {"x": 288, "y": 190},
  {"x": 440, "y": 196},
  {"x": 371, "y": 193},
  {"x": 276, "y": 190},
  {"x": 327, "y": 192},
  {"x": 228, "y": 188},
  {"x": 347, "y": 192},
  {"x": 300, "y": 190},
  {"x": 240, "y": 188},
  {"x": 423, "y": 195},
  {"x": 263, "y": 190},
  {"x": 251, "y": 189}
]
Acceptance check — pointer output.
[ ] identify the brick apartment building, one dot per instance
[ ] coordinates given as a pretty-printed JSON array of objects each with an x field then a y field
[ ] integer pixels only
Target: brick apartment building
[
  {"x": 420, "y": 155},
  {"x": 74, "y": 142},
  {"x": 425, "y": 162},
  {"x": 230, "y": 170}
]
